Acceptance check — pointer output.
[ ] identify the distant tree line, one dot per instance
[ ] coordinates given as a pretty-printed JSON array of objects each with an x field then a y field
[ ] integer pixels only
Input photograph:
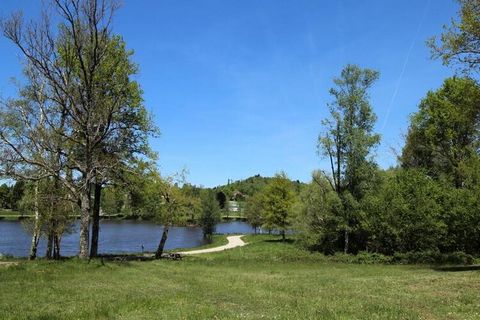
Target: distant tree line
[{"x": 11, "y": 194}]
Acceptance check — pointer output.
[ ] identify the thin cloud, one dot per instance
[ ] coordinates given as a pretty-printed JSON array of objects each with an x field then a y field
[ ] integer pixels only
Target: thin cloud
[{"x": 405, "y": 63}]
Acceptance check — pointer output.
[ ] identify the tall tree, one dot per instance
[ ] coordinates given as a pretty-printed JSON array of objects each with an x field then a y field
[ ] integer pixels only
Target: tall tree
[
  {"x": 17, "y": 193},
  {"x": 253, "y": 211},
  {"x": 278, "y": 198},
  {"x": 5, "y": 196},
  {"x": 166, "y": 202},
  {"x": 460, "y": 42},
  {"x": 210, "y": 215},
  {"x": 348, "y": 141},
  {"x": 80, "y": 116},
  {"x": 54, "y": 214},
  {"x": 444, "y": 134},
  {"x": 317, "y": 220}
]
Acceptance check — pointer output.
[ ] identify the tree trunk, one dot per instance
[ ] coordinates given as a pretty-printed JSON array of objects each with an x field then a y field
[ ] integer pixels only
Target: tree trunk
[
  {"x": 161, "y": 245},
  {"x": 84, "y": 224},
  {"x": 49, "y": 252},
  {"x": 345, "y": 248},
  {"x": 56, "y": 247},
  {"x": 35, "y": 240},
  {"x": 283, "y": 235},
  {"x": 36, "y": 228},
  {"x": 96, "y": 220}
]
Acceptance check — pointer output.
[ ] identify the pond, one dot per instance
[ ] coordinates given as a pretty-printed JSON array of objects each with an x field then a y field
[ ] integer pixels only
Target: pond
[{"x": 116, "y": 236}]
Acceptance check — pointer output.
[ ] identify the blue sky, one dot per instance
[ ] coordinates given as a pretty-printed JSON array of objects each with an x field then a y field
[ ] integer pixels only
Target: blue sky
[{"x": 239, "y": 88}]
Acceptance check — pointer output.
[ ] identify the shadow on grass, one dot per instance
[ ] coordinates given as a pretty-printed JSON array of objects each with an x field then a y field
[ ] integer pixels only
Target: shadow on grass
[
  {"x": 458, "y": 268},
  {"x": 126, "y": 257}
]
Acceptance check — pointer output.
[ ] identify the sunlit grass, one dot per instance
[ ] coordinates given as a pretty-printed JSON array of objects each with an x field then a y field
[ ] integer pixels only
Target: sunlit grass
[{"x": 264, "y": 280}]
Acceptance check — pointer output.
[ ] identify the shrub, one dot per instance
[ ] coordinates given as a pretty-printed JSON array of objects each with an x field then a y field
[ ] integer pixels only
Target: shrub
[
  {"x": 412, "y": 257},
  {"x": 433, "y": 257},
  {"x": 362, "y": 258}
]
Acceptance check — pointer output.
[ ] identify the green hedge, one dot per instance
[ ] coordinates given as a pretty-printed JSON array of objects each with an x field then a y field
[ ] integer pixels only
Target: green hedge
[{"x": 425, "y": 257}]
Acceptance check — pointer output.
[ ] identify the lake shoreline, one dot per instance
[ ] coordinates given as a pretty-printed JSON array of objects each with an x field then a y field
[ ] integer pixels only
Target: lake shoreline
[
  {"x": 117, "y": 236},
  {"x": 14, "y": 217}
]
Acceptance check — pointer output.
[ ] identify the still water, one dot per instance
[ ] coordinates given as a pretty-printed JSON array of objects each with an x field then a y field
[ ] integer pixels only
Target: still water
[{"x": 116, "y": 236}]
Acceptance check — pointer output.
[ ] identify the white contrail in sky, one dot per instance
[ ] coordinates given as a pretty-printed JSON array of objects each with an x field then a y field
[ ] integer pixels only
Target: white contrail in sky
[{"x": 405, "y": 63}]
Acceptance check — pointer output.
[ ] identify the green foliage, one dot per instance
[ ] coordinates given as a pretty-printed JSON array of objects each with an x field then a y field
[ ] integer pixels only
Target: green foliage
[
  {"x": 347, "y": 142},
  {"x": 17, "y": 194},
  {"x": 460, "y": 41},
  {"x": 404, "y": 214},
  {"x": 277, "y": 201},
  {"x": 443, "y": 136},
  {"x": 80, "y": 117},
  {"x": 193, "y": 194},
  {"x": 56, "y": 211},
  {"x": 348, "y": 139},
  {"x": 410, "y": 211},
  {"x": 252, "y": 186},
  {"x": 461, "y": 215},
  {"x": 432, "y": 257},
  {"x": 164, "y": 200},
  {"x": 115, "y": 200},
  {"x": 361, "y": 257},
  {"x": 254, "y": 211},
  {"x": 5, "y": 196},
  {"x": 210, "y": 214},
  {"x": 10, "y": 196},
  {"x": 248, "y": 187},
  {"x": 317, "y": 222},
  {"x": 411, "y": 257},
  {"x": 429, "y": 204}
]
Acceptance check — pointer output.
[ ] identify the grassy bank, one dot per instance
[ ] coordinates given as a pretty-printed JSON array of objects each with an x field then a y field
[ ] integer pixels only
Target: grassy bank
[
  {"x": 264, "y": 280},
  {"x": 8, "y": 214}
]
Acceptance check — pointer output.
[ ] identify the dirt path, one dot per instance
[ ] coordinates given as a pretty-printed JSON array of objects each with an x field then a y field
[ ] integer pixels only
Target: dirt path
[
  {"x": 233, "y": 242},
  {"x": 8, "y": 263}
]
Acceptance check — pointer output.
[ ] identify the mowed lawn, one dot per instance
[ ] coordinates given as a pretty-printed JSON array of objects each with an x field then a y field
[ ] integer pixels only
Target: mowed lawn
[{"x": 264, "y": 280}]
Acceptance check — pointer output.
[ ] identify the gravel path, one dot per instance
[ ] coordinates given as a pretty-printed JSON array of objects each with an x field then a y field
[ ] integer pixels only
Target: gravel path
[
  {"x": 8, "y": 263},
  {"x": 233, "y": 242}
]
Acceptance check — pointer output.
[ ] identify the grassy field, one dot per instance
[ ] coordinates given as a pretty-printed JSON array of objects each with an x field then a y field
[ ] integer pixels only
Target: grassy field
[{"x": 264, "y": 280}]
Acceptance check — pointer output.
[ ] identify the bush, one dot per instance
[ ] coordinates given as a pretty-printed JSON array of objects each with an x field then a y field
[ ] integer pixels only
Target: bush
[
  {"x": 433, "y": 257},
  {"x": 413, "y": 257},
  {"x": 5, "y": 256},
  {"x": 362, "y": 258}
]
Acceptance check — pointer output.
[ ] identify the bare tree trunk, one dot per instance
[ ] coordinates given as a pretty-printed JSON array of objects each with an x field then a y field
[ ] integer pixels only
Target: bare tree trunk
[
  {"x": 95, "y": 220},
  {"x": 283, "y": 235},
  {"x": 36, "y": 228},
  {"x": 161, "y": 245},
  {"x": 84, "y": 224}
]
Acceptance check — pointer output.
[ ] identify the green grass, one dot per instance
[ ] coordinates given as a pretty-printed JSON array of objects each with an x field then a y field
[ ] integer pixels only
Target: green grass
[{"x": 265, "y": 280}]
